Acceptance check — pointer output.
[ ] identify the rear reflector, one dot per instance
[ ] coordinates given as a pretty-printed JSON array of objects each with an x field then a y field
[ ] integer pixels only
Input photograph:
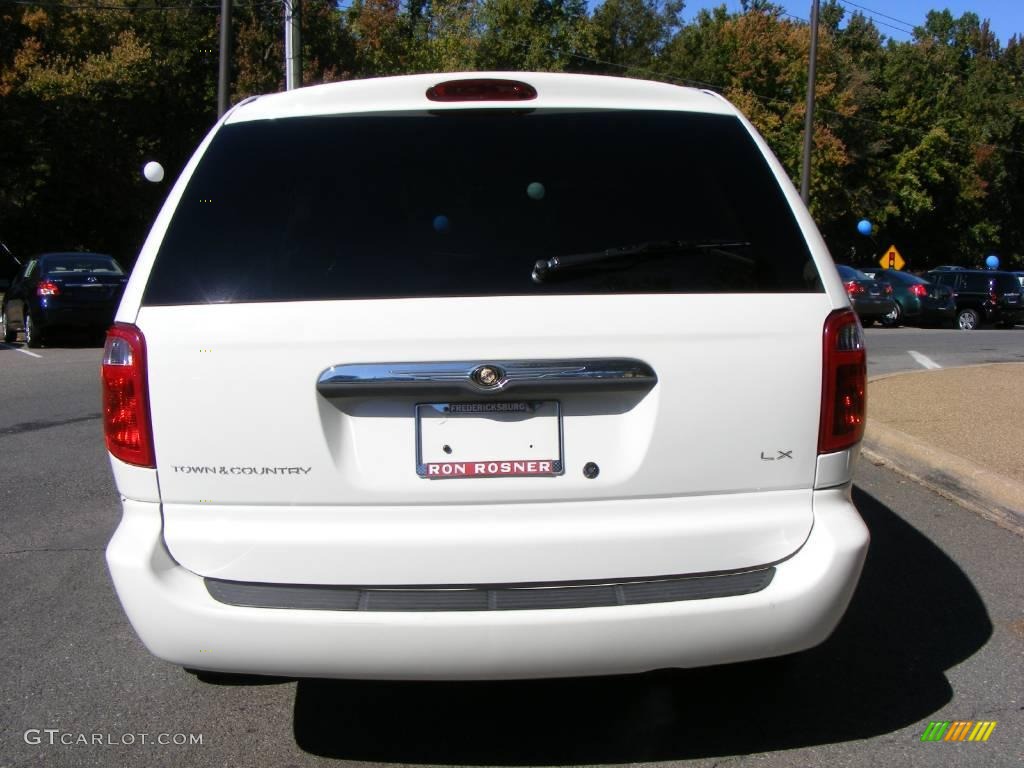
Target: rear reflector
[
  {"x": 482, "y": 89},
  {"x": 126, "y": 422},
  {"x": 844, "y": 383}
]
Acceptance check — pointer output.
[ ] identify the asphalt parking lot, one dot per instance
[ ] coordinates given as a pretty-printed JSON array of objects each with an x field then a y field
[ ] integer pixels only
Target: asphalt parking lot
[
  {"x": 891, "y": 350},
  {"x": 935, "y": 632}
]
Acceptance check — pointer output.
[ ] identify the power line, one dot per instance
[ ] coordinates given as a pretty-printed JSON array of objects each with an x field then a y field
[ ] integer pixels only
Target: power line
[
  {"x": 877, "y": 13},
  {"x": 97, "y": 7},
  {"x": 888, "y": 124},
  {"x": 626, "y": 67},
  {"x": 130, "y": 9},
  {"x": 879, "y": 22},
  {"x": 640, "y": 70},
  {"x": 802, "y": 20}
]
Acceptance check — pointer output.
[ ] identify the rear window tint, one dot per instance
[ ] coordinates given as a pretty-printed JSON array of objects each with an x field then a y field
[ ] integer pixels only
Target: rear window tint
[
  {"x": 464, "y": 204},
  {"x": 849, "y": 273},
  {"x": 901, "y": 277},
  {"x": 57, "y": 264},
  {"x": 1007, "y": 283},
  {"x": 975, "y": 283}
]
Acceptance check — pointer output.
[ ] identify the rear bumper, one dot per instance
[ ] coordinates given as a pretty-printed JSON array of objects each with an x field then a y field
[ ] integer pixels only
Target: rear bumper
[
  {"x": 75, "y": 315},
  {"x": 873, "y": 307},
  {"x": 179, "y": 621}
]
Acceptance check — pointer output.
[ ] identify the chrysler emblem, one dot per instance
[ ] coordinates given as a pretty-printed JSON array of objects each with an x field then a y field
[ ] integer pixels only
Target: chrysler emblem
[{"x": 487, "y": 376}]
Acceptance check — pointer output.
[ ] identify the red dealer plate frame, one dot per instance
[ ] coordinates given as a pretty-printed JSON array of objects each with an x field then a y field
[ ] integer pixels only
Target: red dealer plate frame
[{"x": 475, "y": 430}]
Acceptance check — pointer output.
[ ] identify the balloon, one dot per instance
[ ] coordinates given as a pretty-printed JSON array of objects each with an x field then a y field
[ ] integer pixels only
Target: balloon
[
  {"x": 535, "y": 190},
  {"x": 441, "y": 223},
  {"x": 153, "y": 171},
  {"x": 864, "y": 227},
  {"x": 992, "y": 262}
]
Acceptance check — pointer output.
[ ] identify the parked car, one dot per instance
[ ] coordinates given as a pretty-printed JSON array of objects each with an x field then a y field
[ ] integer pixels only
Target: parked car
[
  {"x": 871, "y": 299},
  {"x": 1020, "y": 277},
  {"x": 60, "y": 291},
  {"x": 983, "y": 296},
  {"x": 432, "y": 389},
  {"x": 916, "y": 299}
]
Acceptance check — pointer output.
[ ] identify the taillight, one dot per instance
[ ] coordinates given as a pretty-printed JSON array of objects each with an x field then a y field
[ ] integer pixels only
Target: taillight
[
  {"x": 888, "y": 289},
  {"x": 919, "y": 289},
  {"x": 47, "y": 288},
  {"x": 844, "y": 383},
  {"x": 126, "y": 422},
  {"x": 482, "y": 89},
  {"x": 854, "y": 287}
]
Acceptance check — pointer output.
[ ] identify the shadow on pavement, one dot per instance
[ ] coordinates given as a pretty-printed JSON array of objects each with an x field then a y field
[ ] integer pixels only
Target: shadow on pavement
[
  {"x": 234, "y": 680},
  {"x": 915, "y": 614}
]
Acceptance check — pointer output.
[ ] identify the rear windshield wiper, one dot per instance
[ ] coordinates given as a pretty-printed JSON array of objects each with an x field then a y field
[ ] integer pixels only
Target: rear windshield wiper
[{"x": 546, "y": 268}]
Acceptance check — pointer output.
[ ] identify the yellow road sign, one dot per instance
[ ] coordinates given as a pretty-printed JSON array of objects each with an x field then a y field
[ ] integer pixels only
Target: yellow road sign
[{"x": 892, "y": 259}]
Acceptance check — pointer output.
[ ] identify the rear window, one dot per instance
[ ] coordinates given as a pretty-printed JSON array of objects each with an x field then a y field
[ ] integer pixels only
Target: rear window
[
  {"x": 1007, "y": 283},
  {"x": 849, "y": 273},
  {"x": 464, "y": 204},
  {"x": 975, "y": 283},
  {"x": 51, "y": 265},
  {"x": 900, "y": 277}
]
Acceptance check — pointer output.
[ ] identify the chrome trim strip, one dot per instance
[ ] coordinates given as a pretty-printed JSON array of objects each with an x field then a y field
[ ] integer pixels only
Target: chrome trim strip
[
  {"x": 456, "y": 377},
  {"x": 594, "y": 594}
]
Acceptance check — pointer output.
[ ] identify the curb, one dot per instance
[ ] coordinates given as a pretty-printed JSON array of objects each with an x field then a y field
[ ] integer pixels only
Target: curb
[
  {"x": 993, "y": 496},
  {"x": 914, "y": 371}
]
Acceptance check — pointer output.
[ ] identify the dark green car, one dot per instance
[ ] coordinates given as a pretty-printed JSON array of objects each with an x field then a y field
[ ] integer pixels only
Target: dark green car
[{"x": 918, "y": 301}]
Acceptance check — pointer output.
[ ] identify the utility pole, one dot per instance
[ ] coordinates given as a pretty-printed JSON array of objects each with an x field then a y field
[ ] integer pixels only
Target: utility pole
[
  {"x": 292, "y": 44},
  {"x": 805, "y": 172},
  {"x": 224, "y": 78}
]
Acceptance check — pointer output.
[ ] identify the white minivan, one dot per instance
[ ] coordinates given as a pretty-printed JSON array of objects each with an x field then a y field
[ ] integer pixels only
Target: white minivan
[{"x": 483, "y": 376}]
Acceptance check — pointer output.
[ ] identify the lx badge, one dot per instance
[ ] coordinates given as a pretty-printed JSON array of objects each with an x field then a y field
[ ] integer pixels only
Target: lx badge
[{"x": 781, "y": 455}]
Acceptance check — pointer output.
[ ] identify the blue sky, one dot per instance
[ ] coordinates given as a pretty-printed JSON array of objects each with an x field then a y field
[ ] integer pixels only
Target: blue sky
[{"x": 1007, "y": 16}]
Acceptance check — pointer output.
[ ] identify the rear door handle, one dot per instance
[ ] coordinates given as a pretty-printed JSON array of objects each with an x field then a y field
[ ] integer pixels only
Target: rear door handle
[{"x": 483, "y": 377}]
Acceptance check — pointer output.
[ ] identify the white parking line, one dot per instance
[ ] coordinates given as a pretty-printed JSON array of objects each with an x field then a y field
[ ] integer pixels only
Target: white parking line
[
  {"x": 19, "y": 349},
  {"x": 923, "y": 360}
]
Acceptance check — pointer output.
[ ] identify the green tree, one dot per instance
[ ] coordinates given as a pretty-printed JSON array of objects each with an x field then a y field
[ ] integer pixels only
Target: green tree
[
  {"x": 633, "y": 33},
  {"x": 534, "y": 34}
]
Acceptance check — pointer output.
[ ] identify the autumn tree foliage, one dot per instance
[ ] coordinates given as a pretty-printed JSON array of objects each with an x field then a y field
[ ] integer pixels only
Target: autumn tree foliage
[{"x": 924, "y": 136}]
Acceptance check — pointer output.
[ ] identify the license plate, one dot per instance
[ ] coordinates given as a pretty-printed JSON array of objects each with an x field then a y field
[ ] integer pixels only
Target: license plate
[{"x": 488, "y": 439}]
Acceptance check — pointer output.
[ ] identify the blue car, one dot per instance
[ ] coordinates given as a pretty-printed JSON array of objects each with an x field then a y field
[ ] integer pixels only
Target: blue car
[{"x": 61, "y": 291}]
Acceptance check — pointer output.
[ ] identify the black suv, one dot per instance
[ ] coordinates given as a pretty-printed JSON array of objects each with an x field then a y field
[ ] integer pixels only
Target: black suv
[{"x": 982, "y": 296}]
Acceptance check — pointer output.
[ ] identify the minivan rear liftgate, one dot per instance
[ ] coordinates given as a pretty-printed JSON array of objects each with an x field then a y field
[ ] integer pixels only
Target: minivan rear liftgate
[{"x": 316, "y": 456}]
